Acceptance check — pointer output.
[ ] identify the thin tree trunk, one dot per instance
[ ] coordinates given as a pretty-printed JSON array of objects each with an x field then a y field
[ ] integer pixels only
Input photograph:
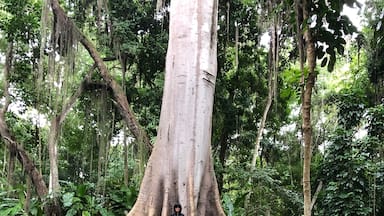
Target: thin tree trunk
[
  {"x": 39, "y": 144},
  {"x": 222, "y": 158},
  {"x": 125, "y": 156},
  {"x": 276, "y": 26},
  {"x": 236, "y": 47},
  {"x": 28, "y": 194},
  {"x": 10, "y": 141},
  {"x": 307, "y": 135},
  {"x": 268, "y": 212},
  {"x": 4, "y": 160},
  {"x": 306, "y": 109},
  {"x": 300, "y": 40},
  {"x": 180, "y": 168},
  {"x": 100, "y": 161},
  {"x": 290, "y": 168},
  {"x": 223, "y": 143},
  {"x": 53, "y": 136},
  {"x": 374, "y": 195},
  {"x": 7, "y": 70},
  {"x": 159, "y": 5},
  {"x": 228, "y": 19},
  {"x": 91, "y": 161},
  {"x": 273, "y": 69},
  {"x": 123, "y": 61},
  {"x": 272, "y": 82},
  {"x": 24, "y": 159},
  {"x": 108, "y": 147},
  {"x": 99, "y": 5},
  {"x": 263, "y": 119},
  {"x": 100, "y": 141},
  {"x": 11, "y": 166},
  {"x": 54, "y": 186}
]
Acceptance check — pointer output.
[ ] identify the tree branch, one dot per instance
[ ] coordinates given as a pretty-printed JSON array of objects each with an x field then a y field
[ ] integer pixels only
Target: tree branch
[
  {"x": 71, "y": 101},
  {"x": 118, "y": 92},
  {"x": 22, "y": 156},
  {"x": 111, "y": 58},
  {"x": 7, "y": 69},
  {"x": 318, "y": 189},
  {"x": 9, "y": 139}
]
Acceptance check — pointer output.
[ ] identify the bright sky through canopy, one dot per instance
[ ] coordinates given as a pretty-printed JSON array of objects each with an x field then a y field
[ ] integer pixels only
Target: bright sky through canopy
[{"x": 355, "y": 14}]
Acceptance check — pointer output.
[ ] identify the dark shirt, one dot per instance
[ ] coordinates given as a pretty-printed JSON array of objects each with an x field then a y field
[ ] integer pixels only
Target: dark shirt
[{"x": 177, "y": 214}]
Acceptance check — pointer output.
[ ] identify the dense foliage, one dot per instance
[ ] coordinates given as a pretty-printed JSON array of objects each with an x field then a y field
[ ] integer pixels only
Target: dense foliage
[{"x": 101, "y": 163}]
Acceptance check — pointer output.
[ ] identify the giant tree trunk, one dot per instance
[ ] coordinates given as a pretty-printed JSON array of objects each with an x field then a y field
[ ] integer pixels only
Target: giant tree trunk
[
  {"x": 180, "y": 168},
  {"x": 306, "y": 109}
]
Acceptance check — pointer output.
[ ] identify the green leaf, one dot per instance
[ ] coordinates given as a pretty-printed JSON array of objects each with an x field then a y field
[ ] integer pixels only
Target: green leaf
[
  {"x": 68, "y": 199},
  {"x": 324, "y": 62},
  {"x": 11, "y": 211},
  {"x": 5, "y": 212},
  {"x": 103, "y": 212},
  {"x": 340, "y": 49},
  {"x": 228, "y": 205},
  {"x": 319, "y": 53},
  {"x": 71, "y": 212},
  {"x": 81, "y": 190},
  {"x": 331, "y": 63},
  {"x": 85, "y": 213}
]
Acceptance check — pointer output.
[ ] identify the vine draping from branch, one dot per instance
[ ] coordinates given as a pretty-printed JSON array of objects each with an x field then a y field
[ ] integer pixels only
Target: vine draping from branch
[{"x": 63, "y": 20}]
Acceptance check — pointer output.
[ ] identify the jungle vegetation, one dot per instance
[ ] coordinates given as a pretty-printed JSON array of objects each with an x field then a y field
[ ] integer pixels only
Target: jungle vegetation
[{"x": 241, "y": 107}]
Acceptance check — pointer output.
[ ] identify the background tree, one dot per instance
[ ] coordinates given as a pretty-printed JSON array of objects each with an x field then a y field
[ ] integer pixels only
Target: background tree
[{"x": 313, "y": 13}]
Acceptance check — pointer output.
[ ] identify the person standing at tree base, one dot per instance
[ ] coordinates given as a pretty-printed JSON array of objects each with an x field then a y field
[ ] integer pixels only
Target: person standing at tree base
[{"x": 177, "y": 210}]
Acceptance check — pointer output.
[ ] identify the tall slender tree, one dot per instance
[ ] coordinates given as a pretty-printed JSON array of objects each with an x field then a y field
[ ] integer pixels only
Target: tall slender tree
[
  {"x": 11, "y": 142},
  {"x": 311, "y": 18},
  {"x": 306, "y": 110}
]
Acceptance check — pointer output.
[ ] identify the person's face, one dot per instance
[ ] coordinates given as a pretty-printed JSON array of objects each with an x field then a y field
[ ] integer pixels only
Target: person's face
[{"x": 177, "y": 209}]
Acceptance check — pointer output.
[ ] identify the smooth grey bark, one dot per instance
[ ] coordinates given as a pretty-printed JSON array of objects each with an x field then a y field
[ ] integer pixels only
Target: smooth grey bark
[{"x": 180, "y": 168}]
